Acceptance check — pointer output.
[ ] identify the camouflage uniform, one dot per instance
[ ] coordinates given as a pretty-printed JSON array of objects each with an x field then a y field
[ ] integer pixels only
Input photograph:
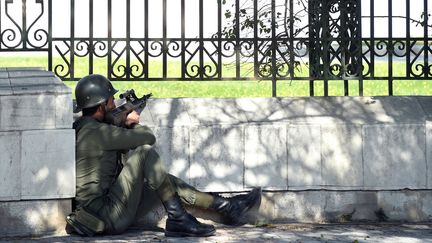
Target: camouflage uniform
[{"x": 117, "y": 192}]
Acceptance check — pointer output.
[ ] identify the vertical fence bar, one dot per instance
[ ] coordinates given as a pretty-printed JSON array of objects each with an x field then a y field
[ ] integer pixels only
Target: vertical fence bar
[
  {"x": 237, "y": 36},
  {"x": 128, "y": 22},
  {"x": 346, "y": 87},
  {"x": 311, "y": 47},
  {"x": 273, "y": 46},
  {"x": 91, "y": 37},
  {"x": 164, "y": 42},
  {"x": 219, "y": 36},
  {"x": 291, "y": 49},
  {"x": 359, "y": 36},
  {"x": 372, "y": 39},
  {"x": 325, "y": 38},
  {"x": 24, "y": 24},
  {"x": 408, "y": 38},
  {"x": 346, "y": 39},
  {"x": 1, "y": 38},
  {"x": 72, "y": 40},
  {"x": 146, "y": 39},
  {"x": 390, "y": 47},
  {"x": 109, "y": 69},
  {"x": 326, "y": 41},
  {"x": 201, "y": 43},
  {"x": 49, "y": 35},
  {"x": 183, "y": 47},
  {"x": 128, "y": 45},
  {"x": 256, "y": 64},
  {"x": 425, "y": 41}
]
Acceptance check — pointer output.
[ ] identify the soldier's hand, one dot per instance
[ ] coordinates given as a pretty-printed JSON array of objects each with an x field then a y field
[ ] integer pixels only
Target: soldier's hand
[{"x": 132, "y": 118}]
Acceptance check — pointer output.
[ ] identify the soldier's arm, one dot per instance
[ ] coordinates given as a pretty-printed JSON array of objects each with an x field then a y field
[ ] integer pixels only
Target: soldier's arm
[{"x": 118, "y": 138}]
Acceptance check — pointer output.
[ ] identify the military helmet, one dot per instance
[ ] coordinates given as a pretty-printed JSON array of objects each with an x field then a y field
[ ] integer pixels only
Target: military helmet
[{"x": 93, "y": 90}]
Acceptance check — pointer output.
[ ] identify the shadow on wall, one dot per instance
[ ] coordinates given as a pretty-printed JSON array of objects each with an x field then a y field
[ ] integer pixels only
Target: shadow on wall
[
  {"x": 218, "y": 146},
  {"x": 230, "y": 145},
  {"x": 33, "y": 217},
  {"x": 40, "y": 164},
  {"x": 293, "y": 143}
]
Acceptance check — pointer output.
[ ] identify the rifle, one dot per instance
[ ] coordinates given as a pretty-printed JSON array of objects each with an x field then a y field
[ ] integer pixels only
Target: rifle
[{"x": 118, "y": 115}]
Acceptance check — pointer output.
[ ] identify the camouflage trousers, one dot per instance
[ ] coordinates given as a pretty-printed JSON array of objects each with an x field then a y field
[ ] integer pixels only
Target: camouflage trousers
[{"x": 137, "y": 190}]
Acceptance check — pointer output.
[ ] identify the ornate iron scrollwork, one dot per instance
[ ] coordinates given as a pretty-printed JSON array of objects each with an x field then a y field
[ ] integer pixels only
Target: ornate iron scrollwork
[
  {"x": 19, "y": 36},
  {"x": 208, "y": 67},
  {"x": 267, "y": 39},
  {"x": 335, "y": 47},
  {"x": 125, "y": 55},
  {"x": 11, "y": 37},
  {"x": 40, "y": 36},
  {"x": 418, "y": 68},
  {"x": 63, "y": 70},
  {"x": 265, "y": 67}
]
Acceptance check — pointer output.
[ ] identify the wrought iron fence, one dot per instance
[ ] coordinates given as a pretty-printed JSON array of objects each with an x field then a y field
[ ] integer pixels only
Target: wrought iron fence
[{"x": 249, "y": 40}]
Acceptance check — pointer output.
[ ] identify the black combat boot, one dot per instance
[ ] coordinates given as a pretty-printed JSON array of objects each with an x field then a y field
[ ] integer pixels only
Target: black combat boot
[
  {"x": 232, "y": 209},
  {"x": 180, "y": 223}
]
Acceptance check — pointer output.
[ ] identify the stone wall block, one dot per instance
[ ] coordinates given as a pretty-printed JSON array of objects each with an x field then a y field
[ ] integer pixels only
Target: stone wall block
[
  {"x": 29, "y": 73},
  {"x": 9, "y": 69},
  {"x": 266, "y": 156},
  {"x": 173, "y": 147},
  {"x": 344, "y": 206},
  {"x": 424, "y": 203},
  {"x": 48, "y": 164},
  {"x": 426, "y": 105},
  {"x": 217, "y": 154},
  {"x": 394, "y": 156},
  {"x": 166, "y": 113},
  {"x": 4, "y": 74},
  {"x": 214, "y": 111},
  {"x": 320, "y": 110},
  {"x": 429, "y": 153},
  {"x": 399, "y": 109},
  {"x": 406, "y": 206},
  {"x": 342, "y": 156},
  {"x": 146, "y": 117},
  {"x": 5, "y": 88},
  {"x": 10, "y": 166},
  {"x": 21, "y": 218},
  {"x": 63, "y": 111},
  {"x": 304, "y": 156},
  {"x": 27, "y": 79},
  {"x": 27, "y": 112},
  {"x": 303, "y": 206},
  {"x": 337, "y": 203},
  {"x": 261, "y": 109},
  {"x": 41, "y": 89}
]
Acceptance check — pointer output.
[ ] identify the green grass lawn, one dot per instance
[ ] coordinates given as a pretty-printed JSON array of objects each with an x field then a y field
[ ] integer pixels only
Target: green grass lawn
[{"x": 170, "y": 89}]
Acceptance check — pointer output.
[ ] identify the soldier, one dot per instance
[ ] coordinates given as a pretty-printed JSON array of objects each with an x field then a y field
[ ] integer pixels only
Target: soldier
[{"x": 110, "y": 193}]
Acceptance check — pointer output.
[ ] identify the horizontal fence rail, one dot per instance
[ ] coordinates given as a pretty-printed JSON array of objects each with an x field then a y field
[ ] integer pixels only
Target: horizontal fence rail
[{"x": 308, "y": 40}]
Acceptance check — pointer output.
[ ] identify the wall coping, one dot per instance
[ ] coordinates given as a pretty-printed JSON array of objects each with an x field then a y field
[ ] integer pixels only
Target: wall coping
[
  {"x": 28, "y": 81},
  {"x": 298, "y": 110}
]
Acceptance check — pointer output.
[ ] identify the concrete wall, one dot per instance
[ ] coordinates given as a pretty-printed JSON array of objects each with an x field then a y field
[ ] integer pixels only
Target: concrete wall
[
  {"x": 318, "y": 159},
  {"x": 336, "y": 143},
  {"x": 37, "y": 158}
]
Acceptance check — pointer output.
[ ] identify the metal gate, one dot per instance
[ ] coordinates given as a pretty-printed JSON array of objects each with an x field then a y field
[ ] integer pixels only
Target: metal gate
[{"x": 251, "y": 39}]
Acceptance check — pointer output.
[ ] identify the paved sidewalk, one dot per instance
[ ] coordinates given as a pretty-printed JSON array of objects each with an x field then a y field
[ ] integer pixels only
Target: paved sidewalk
[{"x": 404, "y": 233}]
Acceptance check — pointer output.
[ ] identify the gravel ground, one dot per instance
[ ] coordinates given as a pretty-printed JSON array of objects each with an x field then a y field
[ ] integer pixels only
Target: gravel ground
[{"x": 406, "y": 233}]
